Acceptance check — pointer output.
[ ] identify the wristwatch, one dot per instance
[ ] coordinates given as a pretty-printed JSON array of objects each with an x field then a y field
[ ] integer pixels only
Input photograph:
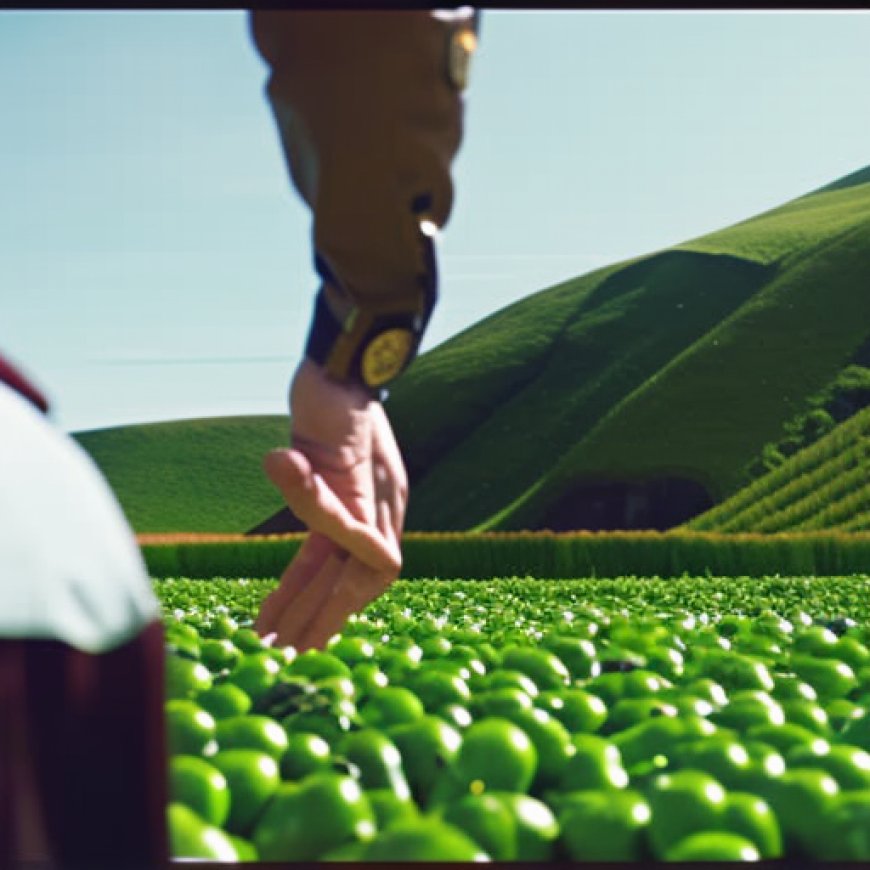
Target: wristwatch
[{"x": 371, "y": 346}]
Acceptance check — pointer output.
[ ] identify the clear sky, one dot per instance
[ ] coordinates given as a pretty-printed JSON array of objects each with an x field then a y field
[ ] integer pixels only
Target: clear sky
[{"x": 155, "y": 263}]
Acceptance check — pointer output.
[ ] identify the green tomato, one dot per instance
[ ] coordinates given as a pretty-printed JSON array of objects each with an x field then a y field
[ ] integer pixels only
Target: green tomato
[
  {"x": 683, "y": 803},
  {"x": 378, "y": 759},
  {"x": 595, "y": 764},
  {"x": 850, "y": 827},
  {"x": 423, "y": 839},
  {"x": 750, "y": 816},
  {"x": 224, "y": 701},
  {"x": 391, "y": 705},
  {"x": 201, "y": 787},
  {"x": 255, "y": 674},
  {"x": 487, "y": 821},
  {"x": 252, "y": 732},
  {"x": 318, "y": 665},
  {"x": 389, "y": 808},
  {"x": 542, "y": 666},
  {"x": 552, "y": 742},
  {"x": 578, "y": 710},
  {"x": 190, "y": 730},
  {"x": 192, "y": 837},
  {"x": 603, "y": 825},
  {"x": 723, "y": 758},
  {"x": 306, "y": 753},
  {"x": 498, "y": 754},
  {"x": 427, "y": 745},
  {"x": 253, "y": 779},
  {"x": 305, "y": 820},
  {"x": 437, "y": 688},
  {"x": 849, "y": 765},
  {"x": 536, "y": 826},
  {"x": 829, "y": 677},
  {"x": 713, "y": 846},
  {"x": 185, "y": 678},
  {"x": 803, "y": 800}
]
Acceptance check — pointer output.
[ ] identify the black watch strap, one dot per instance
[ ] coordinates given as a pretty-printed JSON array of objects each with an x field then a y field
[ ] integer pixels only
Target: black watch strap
[{"x": 367, "y": 347}]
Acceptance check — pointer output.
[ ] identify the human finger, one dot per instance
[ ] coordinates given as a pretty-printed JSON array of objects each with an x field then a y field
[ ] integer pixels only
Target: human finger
[
  {"x": 297, "y": 575},
  {"x": 391, "y": 479},
  {"x": 294, "y": 619},
  {"x": 317, "y": 505},
  {"x": 388, "y": 523},
  {"x": 356, "y": 586}
]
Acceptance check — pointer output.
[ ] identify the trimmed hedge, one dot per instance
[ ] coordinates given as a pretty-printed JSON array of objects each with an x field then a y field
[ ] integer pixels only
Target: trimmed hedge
[{"x": 543, "y": 555}]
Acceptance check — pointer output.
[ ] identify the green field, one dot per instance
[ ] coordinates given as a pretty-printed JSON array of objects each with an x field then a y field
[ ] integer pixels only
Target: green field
[
  {"x": 201, "y": 475},
  {"x": 669, "y": 373},
  {"x": 635, "y": 396},
  {"x": 825, "y": 486},
  {"x": 630, "y": 719}
]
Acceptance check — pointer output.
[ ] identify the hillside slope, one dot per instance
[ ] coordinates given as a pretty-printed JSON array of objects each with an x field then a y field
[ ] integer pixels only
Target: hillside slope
[
  {"x": 634, "y": 396},
  {"x": 202, "y": 475},
  {"x": 825, "y": 486}
]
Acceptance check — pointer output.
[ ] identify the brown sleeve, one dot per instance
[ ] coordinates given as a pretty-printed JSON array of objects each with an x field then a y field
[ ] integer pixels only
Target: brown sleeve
[{"x": 370, "y": 120}]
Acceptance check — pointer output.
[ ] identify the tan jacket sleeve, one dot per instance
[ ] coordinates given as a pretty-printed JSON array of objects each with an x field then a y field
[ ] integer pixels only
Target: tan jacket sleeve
[{"x": 369, "y": 107}]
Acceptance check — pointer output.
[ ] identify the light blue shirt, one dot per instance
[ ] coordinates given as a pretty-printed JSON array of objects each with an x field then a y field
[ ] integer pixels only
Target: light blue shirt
[{"x": 70, "y": 569}]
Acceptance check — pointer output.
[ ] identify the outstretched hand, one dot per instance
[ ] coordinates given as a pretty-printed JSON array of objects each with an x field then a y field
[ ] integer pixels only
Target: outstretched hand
[{"x": 344, "y": 478}]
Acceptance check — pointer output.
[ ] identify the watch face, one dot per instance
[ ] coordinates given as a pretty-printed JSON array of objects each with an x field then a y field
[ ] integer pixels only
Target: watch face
[{"x": 385, "y": 356}]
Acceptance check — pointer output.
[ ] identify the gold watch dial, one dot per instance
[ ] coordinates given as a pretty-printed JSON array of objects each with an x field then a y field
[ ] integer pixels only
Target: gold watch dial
[{"x": 385, "y": 356}]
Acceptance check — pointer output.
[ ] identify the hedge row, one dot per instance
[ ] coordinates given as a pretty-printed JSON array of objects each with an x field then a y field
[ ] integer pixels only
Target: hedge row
[{"x": 542, "y": 555}]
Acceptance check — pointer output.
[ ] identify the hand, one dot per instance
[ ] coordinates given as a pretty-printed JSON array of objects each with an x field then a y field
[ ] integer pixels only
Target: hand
[{"x": 345, "y": 479}]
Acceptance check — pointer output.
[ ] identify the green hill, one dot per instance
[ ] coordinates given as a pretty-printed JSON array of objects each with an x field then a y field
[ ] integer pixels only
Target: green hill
[
  {"x": 636, "y": 395},
  {"x": 202, "y": 475},
  {"x": 824, "y": 486}
]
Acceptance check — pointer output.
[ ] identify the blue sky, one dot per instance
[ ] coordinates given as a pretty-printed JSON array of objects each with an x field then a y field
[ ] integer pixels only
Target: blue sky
[{"x": 155, "y": 263}]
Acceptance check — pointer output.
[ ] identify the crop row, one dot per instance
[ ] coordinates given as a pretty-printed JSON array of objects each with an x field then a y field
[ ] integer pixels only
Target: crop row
[
  {"x": 785, "y": 505},
  {"x": 831, "y": 467},
  {"x": 542, "y": 554}
]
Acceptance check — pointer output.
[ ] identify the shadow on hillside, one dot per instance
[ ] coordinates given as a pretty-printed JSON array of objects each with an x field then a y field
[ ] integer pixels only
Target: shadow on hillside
[
  {"x": 599, "y": 506},
  {"x": 279, "y": 523},
  {"x": 607, "y": 506}
]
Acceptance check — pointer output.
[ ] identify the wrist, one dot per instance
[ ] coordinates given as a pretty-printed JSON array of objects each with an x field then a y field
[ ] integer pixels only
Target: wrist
[
  {"x": 368, "y": 348},
  {"x": 313, "y": 375}
]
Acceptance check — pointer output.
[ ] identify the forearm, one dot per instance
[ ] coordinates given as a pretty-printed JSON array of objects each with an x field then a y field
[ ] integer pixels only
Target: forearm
[{"x": 369, "y": 108}]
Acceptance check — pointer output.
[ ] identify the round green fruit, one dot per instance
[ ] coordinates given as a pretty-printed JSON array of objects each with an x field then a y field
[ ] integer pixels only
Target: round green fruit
[
  {"x": 604, "y": 825},
  {"x": 423, "y": 839},
  {"x": 190, "y": 730},
  {"x": 750, "y": 816},
  {"x": 682, "y": 804},
  {"x": 713, "y": 846},
  {"x": 261, "y": 733},
  {"x": 201, "y": 787},
  {"x": 192, "y": 837},
  {"x": 487, "y": 821},
  {"x": 498, "y": 754},
  {"x": 185, "y": 678},
  {"x": 305, "y": 753},
  {"x": 305, "y": 820},
  {"x": 252, "y": 778}
]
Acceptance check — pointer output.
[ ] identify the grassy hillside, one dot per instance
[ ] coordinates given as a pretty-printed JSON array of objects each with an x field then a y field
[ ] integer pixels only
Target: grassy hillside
[
  {"x": 825, "y": 486},
  {"x": 642, "y": 390},
  {"x": 190, "y": 475},
  {"x": 635, "y": 396}
]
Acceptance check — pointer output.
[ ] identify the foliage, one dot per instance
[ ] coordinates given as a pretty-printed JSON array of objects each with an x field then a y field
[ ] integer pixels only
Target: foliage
[
  {"x": 824, "y": 486},
  {"x": 545, "y": 554},
  {"x": 201, "y": 475}
]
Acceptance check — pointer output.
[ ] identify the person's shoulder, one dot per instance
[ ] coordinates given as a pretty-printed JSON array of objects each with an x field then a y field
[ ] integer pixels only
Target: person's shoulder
[{"x": 69, "y": 563}]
